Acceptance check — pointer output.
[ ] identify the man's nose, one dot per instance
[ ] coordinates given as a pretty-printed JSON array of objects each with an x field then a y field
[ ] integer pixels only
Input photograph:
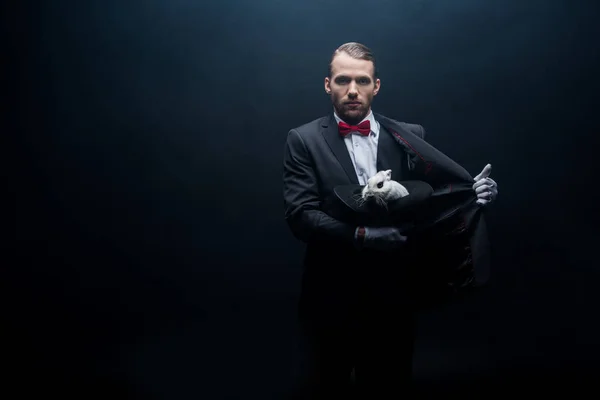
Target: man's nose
[{"x": 353, "y": 90}]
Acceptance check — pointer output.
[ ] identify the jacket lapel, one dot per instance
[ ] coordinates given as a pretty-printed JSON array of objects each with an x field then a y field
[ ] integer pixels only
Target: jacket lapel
[
  {"x": 385, "y": 150},
  {"x": 390, "y": 155},
  {"x": 427, "y": 162},
  {"x": 338, "y": 147}
]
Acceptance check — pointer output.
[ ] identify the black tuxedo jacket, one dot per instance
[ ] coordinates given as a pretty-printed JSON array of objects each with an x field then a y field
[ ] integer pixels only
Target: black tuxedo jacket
[{"x": 316, "y": 160}]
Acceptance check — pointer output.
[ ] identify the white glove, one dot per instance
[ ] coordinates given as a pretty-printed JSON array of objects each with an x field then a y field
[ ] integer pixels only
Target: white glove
[
  {"x": 485, "y": 187},
  {"x": 384, "y": 238}
]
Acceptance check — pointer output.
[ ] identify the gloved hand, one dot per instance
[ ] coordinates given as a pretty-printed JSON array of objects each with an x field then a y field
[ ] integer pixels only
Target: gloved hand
[
  {"x": 485, "y": 187},
  {"x": 383, "y": 238}
]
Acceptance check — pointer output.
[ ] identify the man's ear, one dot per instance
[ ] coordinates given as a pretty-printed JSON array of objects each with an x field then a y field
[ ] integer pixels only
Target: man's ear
[
  {"x": 377, "y": 87},
  {"x": 327, "y": 85}
]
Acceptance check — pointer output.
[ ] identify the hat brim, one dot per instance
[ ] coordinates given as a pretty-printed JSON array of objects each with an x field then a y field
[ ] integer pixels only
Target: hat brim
[{"x": 350, "y": 195}]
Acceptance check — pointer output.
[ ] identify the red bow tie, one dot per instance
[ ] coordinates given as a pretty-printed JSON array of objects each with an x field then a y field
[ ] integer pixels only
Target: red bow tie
[{"x": 364, "y": 128}]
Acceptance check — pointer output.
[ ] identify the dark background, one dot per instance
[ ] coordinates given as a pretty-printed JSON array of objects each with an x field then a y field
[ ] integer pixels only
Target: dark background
[{"x": 152, "y": 258}]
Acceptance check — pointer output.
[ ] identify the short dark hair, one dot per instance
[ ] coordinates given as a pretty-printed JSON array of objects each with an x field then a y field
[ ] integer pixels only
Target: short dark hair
[{"x": 358, "y": 51}]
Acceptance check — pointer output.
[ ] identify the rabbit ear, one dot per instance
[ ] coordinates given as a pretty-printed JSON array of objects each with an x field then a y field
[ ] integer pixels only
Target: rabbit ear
[{"x": 388, "y": 174}]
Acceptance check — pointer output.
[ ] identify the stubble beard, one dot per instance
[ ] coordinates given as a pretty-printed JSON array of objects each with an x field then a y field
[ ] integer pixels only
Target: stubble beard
[{"x": 352, "y": 117}]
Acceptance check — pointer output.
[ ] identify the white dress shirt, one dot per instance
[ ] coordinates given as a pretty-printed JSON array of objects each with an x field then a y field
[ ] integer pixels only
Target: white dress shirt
[{"x": 363, "y": 149}]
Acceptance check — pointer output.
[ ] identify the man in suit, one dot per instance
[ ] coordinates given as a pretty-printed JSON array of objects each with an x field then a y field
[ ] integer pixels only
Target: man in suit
[{"x": 355, "y": 308}]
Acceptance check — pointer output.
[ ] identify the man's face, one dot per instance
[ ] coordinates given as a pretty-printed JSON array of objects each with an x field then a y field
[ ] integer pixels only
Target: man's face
[{"x": 351, "y": 87}]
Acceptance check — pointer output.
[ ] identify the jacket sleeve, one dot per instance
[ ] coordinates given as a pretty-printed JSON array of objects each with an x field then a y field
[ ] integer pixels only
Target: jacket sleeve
[{"x": 302, "y": 200}]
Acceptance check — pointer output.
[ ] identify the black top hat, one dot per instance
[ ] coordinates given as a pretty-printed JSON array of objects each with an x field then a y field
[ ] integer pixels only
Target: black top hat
[{"x": 396, "y": 211}]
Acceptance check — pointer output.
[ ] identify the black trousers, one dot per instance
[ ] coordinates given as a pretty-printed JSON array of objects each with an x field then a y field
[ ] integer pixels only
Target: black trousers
[{"x": 359, "y": 330}]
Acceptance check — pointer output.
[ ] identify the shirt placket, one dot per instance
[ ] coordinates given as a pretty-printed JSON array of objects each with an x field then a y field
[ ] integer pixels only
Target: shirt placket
[{"x": 360, "y": 159}]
